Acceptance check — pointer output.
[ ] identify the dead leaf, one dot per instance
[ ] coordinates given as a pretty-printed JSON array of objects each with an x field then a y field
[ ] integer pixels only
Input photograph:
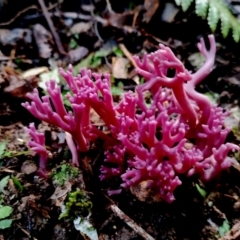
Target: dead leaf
[
  {"x": 44, "y": 77},
  {"x": 95, "y": 119},
  {"x": 232, "y": 80},
  {"x": 118, "y": 20},
  {"x": 86, "y": 165},
  {"x": 60, "y": 201},
  {"x": 33, "y": 72},
  {"x": 43, "y": 40},
  {"x": 233, "y": 118},
  {"x": 10, "y": 37},
  {"x": 19, "y": 87},
  {"x": 88, "y": 7},
  {"x": 10, "y": 71},
  {"x": 169, "y": 12},
  {"x": 61, "y": 191},
  {"x": 144, "y": 193},
  {"x": 43, "y": 210},
  {"x": 150, "y": 6},
  {"x": 77, "y": 54},
  {"x": 28, "y": 167},
  {"x": 119, "y": 67},
  {"x": 24, "y": 200},
  {"x": 6, "y": 170},
  {"x": 81, "y": 27}
]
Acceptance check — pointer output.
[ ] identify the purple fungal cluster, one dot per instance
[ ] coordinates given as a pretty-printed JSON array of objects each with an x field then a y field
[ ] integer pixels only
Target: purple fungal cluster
[{"x": 163, "y": 130}]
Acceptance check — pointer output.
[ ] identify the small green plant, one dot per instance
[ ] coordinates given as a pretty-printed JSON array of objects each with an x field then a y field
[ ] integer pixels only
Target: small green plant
[
  {"x": 2, "y": 149},
  {"x": 117, "y": 90},
  {"x": 17, "y": 183},
  {"x": 9, "y": 154},
  {"x": 73, "y": 44},
  {"x": 94, "y": 60},
  {"x": 201, "y": 191},
  {"x": 215, "y": 11},
  {"x": 64, "y": 173},
  {"x": 77, "y": 204},
  {"x": 5, "y": 211},
  {"x": 224, "y": 228}
]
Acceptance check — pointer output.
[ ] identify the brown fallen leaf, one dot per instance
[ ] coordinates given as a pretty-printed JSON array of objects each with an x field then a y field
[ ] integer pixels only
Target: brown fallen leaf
[
  {"x": 33, "y": 72},
  {"x": 118, "y": 20},
  {"x": 95, "y": 119},
  {"x": 150, "y": 6},
  {"x": 81, "y": 27},
  {"x": 119, "y": 67},
  {"x": 43, "y": 40},
  {"x": 43, "y": 210},
  {"x": 77, "y": 54},
  {"x": 24, "y": 200},
  {"x": 17, "y": 86},
  {"x": 169, "y": 12},
  {"x": 144, "y": 193},
  {"x": 61, "y": 191},
  {"x": 10, "y": 37},
  {"x": 28, "y": 167}
]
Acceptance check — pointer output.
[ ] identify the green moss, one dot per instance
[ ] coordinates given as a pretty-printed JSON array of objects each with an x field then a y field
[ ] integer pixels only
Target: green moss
[
  {"x": 65, "y": 173},
  {"x": 77, "y": 204}
]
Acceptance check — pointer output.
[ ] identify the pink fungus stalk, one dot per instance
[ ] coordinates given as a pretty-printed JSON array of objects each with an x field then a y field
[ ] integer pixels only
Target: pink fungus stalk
[
  {"x": 175, "y": 131},
  {"x": 37, "y": 145}
]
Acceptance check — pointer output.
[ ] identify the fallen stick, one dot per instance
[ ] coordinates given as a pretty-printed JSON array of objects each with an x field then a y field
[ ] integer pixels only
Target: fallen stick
[
  {"x": 127, "y": 54},
  {"x": 51, "y": 26},
  {"x": 131, "y": 223},
  {"x": 26, "y": 232}
]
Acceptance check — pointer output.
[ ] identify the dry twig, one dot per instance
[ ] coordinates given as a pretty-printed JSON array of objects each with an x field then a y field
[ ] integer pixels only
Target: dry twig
[
  {"x": 26, "y": 232},
  {"x": 51, "y": 26},
  {"x": 25, "y": 10},
  {"x": 109, "y": 6},
  {"x": 131, "y": 223},
  {"x": 19, "y": 14},
  {"x": 127, "y": 54}
]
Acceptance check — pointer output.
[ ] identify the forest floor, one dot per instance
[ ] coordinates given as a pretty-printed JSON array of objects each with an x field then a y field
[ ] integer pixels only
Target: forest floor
[{"x": 103, "y": 36}]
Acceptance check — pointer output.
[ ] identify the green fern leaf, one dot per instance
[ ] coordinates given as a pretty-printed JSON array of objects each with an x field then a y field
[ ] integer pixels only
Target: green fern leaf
[
  {"x": 186, "y": 4},
  {"x": 225, "y": 25},
  {"x": 236, "y": 34},
  {"x": 201, "y": 8},
  {"x": 215, "y": 10},
  {"x": 178, "y": 2},
  {"x": 213, "y": 17}
]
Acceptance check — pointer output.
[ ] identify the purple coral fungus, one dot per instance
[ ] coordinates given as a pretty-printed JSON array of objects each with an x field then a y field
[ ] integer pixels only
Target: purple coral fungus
[{"x": 179, "y": 131}]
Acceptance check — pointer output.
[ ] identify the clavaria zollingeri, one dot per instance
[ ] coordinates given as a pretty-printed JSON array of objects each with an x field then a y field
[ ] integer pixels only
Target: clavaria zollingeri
[{"x": 175, "y": 131}]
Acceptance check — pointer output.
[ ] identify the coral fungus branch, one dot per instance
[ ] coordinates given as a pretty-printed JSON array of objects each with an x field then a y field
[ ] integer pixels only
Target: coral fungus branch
[{"x": 153, "y": 138}]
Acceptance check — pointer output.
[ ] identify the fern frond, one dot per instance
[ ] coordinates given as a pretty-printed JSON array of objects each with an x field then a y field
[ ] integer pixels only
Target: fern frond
[
  {"x": 225, "y": 26},
  {"x": 186, "y": 4},
  {"x": 213, "y": 17},
  {"x": 215, "y": 11},
  {"x": 178, "y": 2},
  {"x": 236, "y": 34},
  {"x": 201, "y": 8}
]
